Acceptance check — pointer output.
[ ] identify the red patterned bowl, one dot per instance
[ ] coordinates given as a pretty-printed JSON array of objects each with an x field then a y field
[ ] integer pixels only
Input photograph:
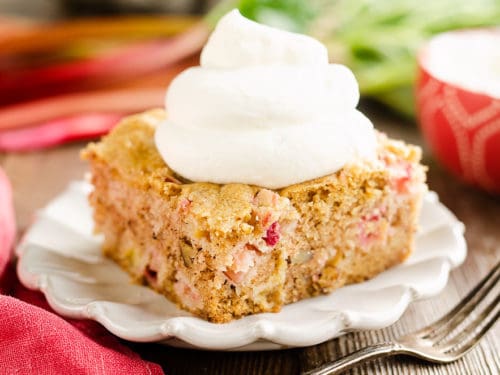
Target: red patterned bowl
[{"x": 458, "y": 103}]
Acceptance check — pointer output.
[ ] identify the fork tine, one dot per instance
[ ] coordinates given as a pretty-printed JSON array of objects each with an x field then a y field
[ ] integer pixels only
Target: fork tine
[
  {"x": 475, "y": 339},
  {"x": 430, "y": 349},
  {"x": 442, "y": 326},
  {"x": 462, "y": 337}
]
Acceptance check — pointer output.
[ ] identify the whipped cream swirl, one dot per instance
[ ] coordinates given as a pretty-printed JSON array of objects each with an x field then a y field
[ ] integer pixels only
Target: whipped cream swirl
[{"x": 264, "y": 108}]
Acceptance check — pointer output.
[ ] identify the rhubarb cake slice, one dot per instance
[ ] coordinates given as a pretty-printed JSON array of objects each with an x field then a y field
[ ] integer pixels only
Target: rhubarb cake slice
[{"x": 225, "y": 251}]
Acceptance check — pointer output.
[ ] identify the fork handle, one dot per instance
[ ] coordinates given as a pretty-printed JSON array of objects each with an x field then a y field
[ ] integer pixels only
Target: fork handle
[{"x": 349, "y": 361}]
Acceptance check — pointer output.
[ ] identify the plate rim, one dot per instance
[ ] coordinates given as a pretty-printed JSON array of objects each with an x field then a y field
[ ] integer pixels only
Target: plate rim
[{"x": 263, "y": 334}]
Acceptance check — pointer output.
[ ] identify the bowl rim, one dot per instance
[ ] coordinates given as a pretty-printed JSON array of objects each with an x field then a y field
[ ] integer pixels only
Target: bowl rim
[{"x": 422, "y": 59}]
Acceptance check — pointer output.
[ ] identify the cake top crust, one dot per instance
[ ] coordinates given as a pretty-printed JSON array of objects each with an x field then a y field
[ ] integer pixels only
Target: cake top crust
[{"x": 130, "y": 152}]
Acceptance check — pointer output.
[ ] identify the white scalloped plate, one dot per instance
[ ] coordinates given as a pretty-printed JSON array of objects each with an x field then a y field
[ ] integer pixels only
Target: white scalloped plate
[{"x": 60, "y": 256}]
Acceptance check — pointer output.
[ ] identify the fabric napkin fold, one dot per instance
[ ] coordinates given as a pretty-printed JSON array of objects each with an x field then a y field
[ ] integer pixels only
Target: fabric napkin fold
[{"x": 35, "y": 340}]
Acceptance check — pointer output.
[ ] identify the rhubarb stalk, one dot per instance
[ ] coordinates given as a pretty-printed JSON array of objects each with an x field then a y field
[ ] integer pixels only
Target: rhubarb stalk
[
  {"x": 49, "y": 37},
  {"x": 133, "y": 61},
  {"x": 122, "y": 101},
  {"x": 53, "y": 133}
]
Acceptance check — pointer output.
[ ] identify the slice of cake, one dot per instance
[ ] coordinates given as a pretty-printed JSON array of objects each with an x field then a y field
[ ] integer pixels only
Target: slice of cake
[
  {"x": 296, "y": 194},
  {"x": 223, "y": 251}
]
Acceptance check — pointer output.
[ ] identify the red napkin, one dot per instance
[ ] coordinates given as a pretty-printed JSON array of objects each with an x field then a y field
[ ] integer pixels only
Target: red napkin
[{"x": 34, "y": 340}]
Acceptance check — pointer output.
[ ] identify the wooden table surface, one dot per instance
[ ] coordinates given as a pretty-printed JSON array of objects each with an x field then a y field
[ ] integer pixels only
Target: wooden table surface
[{"x": 37, "y": 177}]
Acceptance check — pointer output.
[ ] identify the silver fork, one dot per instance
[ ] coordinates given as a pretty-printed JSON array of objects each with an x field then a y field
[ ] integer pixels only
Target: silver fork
[{"x": 440, "y": 342}]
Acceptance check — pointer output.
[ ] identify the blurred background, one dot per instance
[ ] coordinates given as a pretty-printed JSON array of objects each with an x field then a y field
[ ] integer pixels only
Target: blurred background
[
  {"x": 70, "y": 69},
  {"x": 61, "y": 9}
]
